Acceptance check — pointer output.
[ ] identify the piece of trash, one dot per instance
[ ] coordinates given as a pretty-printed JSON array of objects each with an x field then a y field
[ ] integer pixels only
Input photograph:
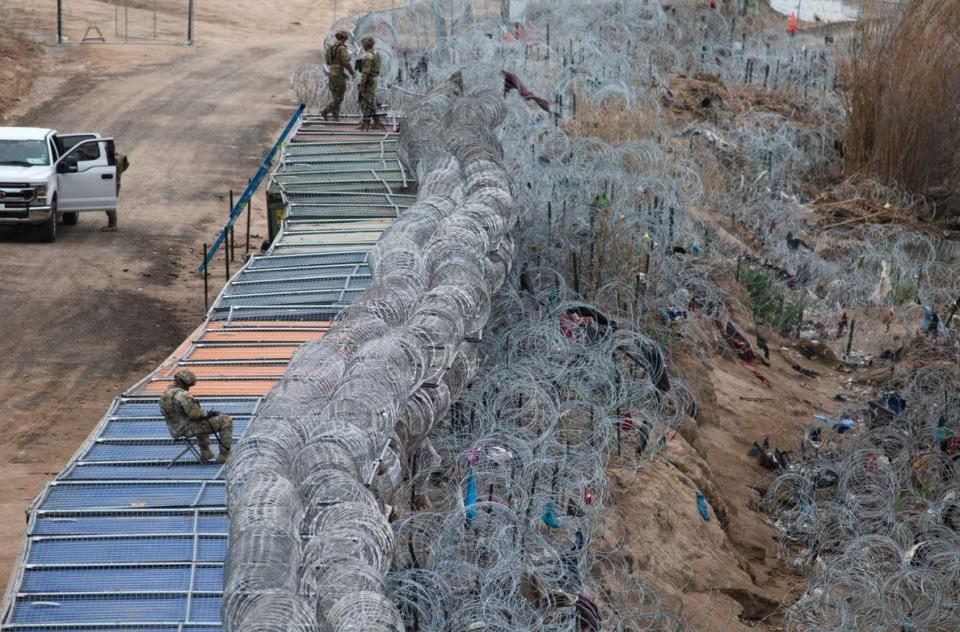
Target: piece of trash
[
  {"x": 470, "y": 498},
  {"x": 549, "y": 515},
  {"x": 138, "y": 505},
  {"x": 702, "y": 507},
  {"x": 499, "y": 455},
  {"x": 844, "y": 425}
]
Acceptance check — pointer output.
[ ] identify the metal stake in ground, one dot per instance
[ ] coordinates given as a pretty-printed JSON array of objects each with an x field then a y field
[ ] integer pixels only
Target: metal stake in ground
[{"x": 853, "y": 324}]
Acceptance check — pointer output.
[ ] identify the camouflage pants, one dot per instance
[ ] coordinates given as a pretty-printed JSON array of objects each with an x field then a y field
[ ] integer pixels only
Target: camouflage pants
[
  {"x": 221, "y": 424},
  {"x": 369, "y": 99},
  {"x": 338, "y": 87}
]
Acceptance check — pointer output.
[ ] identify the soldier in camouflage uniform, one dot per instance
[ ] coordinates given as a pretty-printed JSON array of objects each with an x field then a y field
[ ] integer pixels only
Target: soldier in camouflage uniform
[
  {"x": 338, "y": 61},
  {"x": 185, "y": 417},
  {"x": 369, "y": 71}
]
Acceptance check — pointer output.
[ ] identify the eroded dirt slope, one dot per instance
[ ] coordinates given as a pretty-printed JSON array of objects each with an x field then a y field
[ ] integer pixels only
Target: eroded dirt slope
[{"x": 725, "y": 573}]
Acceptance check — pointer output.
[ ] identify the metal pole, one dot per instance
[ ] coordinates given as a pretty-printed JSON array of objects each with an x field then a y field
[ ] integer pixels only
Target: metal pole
[
  {"x": 230, "y": 245},
  {"x": 59, "y": 21},
  {"x": 576, "y": 272},
  {"x": 190, "y": 22},
  {"x": 226, "y": 258},
  {"x": 853, "y": 323},
  {"x": 126, "y": 20},
  {"x": 206, "y": 288},
  {"x": 233, "y": 245},
  {"x": 249, "y": 212}
]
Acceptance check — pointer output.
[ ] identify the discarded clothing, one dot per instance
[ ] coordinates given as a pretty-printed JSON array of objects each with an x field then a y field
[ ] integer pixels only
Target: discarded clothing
[
  {"x": 512, "y": 82},
  {"x": 739, "y": 343},
  {"x": 588, "y": 615},
  {"x": 932, "y": 324},
  {"x": 895, "y": 403},
  {"x": 803, "y": 371},
  {"x": 499, "y": 455},
  {"x": 549, "y": 515},
  {"x": 844, "y": 425},
  {"x": 470, "y": 499},
  {"x": 672, "y": 315},
  {"x": 702, "y": 507},
  {"x": 472, "y": 456}
]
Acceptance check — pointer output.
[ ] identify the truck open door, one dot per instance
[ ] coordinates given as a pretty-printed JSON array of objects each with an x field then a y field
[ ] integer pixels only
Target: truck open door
[{"x": 86, "y": 174}]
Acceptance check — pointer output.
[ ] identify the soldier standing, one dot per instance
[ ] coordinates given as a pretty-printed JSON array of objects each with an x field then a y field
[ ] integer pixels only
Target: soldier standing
[
  {"x": 185, "y": 418},
  {"x": 122, "y": 164},
  {"x": 369, "y": 71},
  {"x": 338, "y": 61}
]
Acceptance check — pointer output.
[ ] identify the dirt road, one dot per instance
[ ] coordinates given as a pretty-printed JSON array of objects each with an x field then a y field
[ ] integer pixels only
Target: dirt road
[{"x": 89, "y": 315}]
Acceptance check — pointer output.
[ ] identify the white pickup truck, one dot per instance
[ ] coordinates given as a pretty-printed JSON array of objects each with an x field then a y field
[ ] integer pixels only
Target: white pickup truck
[{"x": 46, "y": 177}]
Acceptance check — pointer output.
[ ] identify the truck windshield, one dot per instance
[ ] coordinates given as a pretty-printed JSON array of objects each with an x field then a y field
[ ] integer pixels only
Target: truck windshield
[{"x": 24, "y": 153}]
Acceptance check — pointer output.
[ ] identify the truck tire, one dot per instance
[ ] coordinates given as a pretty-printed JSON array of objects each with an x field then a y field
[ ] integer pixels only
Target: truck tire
[
  {"x": 71, "y": 218},
  {"x": 48, "y": 229}
]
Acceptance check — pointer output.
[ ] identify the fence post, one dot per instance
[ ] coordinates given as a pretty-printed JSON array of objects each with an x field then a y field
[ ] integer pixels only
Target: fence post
[
  {"x": 226, "y": 256},
  {"x": 576, "y": 272},
  {"x": 249, "y": 210},
  {"x": 190, "y": 22},
  {"x": 853, "y": 323},
  {"x": 956, "y": 306},
  {"x": 59, "y": 21},
  {"x": 206, "y": 287}
]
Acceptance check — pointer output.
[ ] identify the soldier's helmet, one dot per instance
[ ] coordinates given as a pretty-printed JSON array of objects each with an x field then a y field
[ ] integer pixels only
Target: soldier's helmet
[
  {"x": 343, "y": 35},
  {"x": 185, "y": 378},
  {"x": 367, "y": 41}
]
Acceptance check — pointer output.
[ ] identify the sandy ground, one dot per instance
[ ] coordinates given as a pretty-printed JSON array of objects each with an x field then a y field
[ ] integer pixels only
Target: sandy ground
[
  {"x": 725, "y": 574},
  {"x": 89, "y": 315}
]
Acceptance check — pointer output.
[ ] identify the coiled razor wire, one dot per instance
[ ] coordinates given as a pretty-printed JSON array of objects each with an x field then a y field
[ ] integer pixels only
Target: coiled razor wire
[
  {"x": 496, "y": 498},
  {"x": 875, "y": 514},
  {"x": 310, "y": 488}
]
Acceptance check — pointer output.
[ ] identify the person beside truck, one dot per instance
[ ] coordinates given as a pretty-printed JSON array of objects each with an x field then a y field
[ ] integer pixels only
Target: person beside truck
[{"x": 47, "y": 177}]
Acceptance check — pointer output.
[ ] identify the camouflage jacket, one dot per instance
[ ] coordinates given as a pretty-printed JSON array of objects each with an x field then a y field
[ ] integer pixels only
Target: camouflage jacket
[
  {"x": 338, "y": 58},
  {"x": 370, "y": 64},
  {"x": 180, "y": 409}
]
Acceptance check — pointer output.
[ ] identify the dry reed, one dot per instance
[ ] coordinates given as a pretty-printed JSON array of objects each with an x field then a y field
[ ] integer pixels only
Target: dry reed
[{"x": 903, "y": 99}]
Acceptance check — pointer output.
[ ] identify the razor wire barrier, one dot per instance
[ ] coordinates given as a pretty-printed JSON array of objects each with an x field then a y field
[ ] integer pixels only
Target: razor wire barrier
[
  {"x": 398, "y": 357},
  {"x": 601, "y": 223},
  {"x": 365, "y": 496},
  {"x": 873, "y": 514}
]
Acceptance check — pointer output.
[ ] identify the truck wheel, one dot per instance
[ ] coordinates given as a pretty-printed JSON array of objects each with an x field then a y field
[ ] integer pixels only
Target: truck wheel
[
  {"x": 48, "y": 229},
  {"x": 71, "y": 219}
]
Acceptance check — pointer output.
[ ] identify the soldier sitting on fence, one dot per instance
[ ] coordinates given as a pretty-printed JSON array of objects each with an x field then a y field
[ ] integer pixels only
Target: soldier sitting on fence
[{"x": 186, "y": 419}]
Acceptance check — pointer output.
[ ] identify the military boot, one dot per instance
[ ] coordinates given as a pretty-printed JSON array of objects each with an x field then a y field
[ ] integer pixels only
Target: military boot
[
  {"x": 224, "y": 455},
  {"x": 205, "y": 455}
]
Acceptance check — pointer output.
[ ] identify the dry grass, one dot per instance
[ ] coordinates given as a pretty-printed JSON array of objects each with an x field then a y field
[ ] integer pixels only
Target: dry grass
[
  {"x": 612, "y": 122},
  {"x": 903, "y": 98}
]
